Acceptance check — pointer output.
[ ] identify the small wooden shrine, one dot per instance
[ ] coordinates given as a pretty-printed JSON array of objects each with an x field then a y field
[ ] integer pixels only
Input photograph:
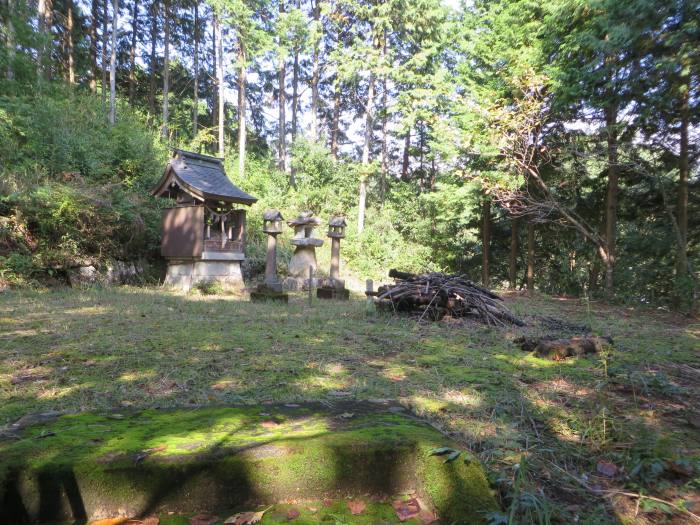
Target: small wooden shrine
[{"x": 204, "y": 232}]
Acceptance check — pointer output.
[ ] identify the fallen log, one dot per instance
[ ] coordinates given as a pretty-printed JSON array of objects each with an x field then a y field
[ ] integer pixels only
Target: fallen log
[
  {"x": 437, "y": 294},
  {"x": 558, "y": 349}
]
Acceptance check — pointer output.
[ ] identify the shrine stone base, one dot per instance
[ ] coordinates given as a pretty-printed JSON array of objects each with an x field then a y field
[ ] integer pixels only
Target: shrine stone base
[
  {"x": 265, "y": 293},
  {"x": 183, "y": 275},
  {"x": 341, "y": 294}
]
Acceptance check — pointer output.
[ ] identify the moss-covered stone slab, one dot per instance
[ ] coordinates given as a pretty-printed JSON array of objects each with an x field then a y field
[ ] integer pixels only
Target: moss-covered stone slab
[{"x": 92, "y": 466}]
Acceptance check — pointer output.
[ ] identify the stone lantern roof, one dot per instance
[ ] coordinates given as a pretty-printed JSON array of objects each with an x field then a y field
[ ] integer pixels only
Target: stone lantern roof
[
  {"x": 304, "y": 225},
  {"x": 305, "y": 218},
  {"x": 336, "y": 227},
  {"x": 272, "y": 221},
  {"x": 272, "y": 214}
]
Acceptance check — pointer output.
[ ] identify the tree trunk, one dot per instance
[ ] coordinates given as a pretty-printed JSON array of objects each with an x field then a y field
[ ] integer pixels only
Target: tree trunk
[
  {"x": 530, "y": 256},
  {"x": 166, "y": 69},
  {"x": 282, "y": 124},
  {"x": 315, "y": 73},
  {"x": 221, "y": 117},
  {"x": 214, "y": 74},
  {"x": 132, "y": 53},
  {"x": 195, "y": 83},
  {"x": 69, "y": 42},
  {"x": 369, "y": 124},
  {"x": 406, "y": 155},
  {"x": 105, "y": 48},
  {"x": 385, "y": 147},
  {"x": 295, "y": 94},
  {"x": 295, "y": 103},
  {"x": 45, "y": 23},
  {"x": 335, "y": 126},
  {"x": 113, "y": 64},
  {"x": 612, "y": 197},
  {"x": 514, "y": 248},
  {"x": 10, "y": 41},
  {"x": 241, "y": 107},
  {"x": 682, "y": 201},
  {"x": 154, "y": 42},
  {"x": 485, "y": 241},
  {"x": 93, "y": 45}
]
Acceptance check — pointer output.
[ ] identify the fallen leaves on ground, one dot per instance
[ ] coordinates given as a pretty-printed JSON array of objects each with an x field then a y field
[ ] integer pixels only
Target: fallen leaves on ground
[
  {"x": 151, "y": 520},
  {"x": 440, "y": 451},
  {"x": 246, "y": 518},
  {"x": 607, "y": 469},
  {"x": 145, "y": 453},
  {"x": 293, "y": 514},
  {"x": 356, "y": 506},
  {"x": 203, "y": 519},
  {"x": 406, "y": 509},
  {"x": 453, "y": 455},
  {"x": 427, "y": 516}
]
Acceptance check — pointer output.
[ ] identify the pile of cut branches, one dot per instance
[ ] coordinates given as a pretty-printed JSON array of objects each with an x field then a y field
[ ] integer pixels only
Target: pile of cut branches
[{"x": 435, "y": 295}]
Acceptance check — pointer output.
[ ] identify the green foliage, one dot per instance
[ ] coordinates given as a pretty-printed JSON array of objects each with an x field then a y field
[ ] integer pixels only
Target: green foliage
[
  {"x": 64, "y": 132},
  {"x": 209, "y": 288},
  {"x": 73, "y": 188}
]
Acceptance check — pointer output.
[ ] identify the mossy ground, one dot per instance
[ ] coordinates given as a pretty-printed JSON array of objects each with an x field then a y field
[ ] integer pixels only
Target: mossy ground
[
  {"x": 540, "y": 426},
  {"x": 213, "y": 458}
]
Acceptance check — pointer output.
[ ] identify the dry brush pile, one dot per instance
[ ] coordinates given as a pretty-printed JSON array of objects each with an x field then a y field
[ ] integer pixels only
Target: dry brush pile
[{"x": 436, "y": 295}]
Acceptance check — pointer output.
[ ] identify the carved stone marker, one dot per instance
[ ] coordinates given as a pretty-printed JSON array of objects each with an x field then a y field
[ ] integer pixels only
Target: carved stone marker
[
  {"x": 271, "y": 289},
  {"x": 304, "y": 252},
  {"x": 334, "y": 287}
]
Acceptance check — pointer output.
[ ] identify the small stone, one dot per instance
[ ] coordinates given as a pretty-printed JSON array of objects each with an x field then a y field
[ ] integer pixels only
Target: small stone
[
  {"x": 406, "y": 509},
  {"x": 339, "y": 393},
  {"x": 203, "y": 519},
  {"x": 356, "y": 507}
]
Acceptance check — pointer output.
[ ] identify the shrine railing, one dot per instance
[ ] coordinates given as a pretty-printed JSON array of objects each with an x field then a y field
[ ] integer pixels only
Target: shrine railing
[{"x": 215, "y": 245}]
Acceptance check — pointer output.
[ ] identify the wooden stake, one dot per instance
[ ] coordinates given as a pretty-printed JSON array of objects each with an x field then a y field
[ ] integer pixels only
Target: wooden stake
[{"x": 311, "y": 284}]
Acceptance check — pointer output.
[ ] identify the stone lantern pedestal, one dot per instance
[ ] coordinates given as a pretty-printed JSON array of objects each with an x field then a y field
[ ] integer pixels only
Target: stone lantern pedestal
[
  {"x": 271, "y": 288},
  {"x": 334, "y": 286},
  {"x": 305, "y": 245}
]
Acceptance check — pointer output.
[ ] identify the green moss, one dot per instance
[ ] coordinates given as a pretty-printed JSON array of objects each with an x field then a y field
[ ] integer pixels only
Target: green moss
[
  {"x": 216, "y": 457},
  {"x": 458, "y": 489}
]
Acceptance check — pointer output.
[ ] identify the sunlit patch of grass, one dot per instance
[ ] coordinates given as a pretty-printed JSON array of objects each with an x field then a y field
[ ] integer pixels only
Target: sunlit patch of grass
[{"x": 139, "y": 375}]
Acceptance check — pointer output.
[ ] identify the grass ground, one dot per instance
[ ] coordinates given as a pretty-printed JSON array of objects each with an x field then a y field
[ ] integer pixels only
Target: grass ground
[{"x": 576, "y": 440}]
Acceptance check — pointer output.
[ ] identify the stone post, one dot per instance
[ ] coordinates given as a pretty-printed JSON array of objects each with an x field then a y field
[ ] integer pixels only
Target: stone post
[
  {"x": 271, "y": 289},
  {"x": 334, "y": 286},
  {"x": 271, "y": 261},
  {"x": 335, "y": 258}
]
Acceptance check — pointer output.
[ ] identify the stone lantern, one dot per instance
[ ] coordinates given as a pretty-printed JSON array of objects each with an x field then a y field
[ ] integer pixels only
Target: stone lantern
[
  {"x": 334, "y": 287},
  {"x": 305, "y": 250},
  {"x": 272, "y": 221},
  {"x": 271, "y": 289}
]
